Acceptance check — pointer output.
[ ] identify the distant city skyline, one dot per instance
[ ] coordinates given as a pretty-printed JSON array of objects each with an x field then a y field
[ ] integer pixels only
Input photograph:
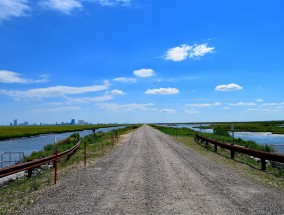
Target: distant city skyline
[{"x": 136, "y": 61}]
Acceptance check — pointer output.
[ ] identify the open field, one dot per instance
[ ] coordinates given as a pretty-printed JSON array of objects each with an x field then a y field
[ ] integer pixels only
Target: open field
[{"x": 8, "y": 132}]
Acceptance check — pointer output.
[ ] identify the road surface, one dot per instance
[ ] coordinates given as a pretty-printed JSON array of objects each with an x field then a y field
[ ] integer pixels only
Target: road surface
[{"x": 151, "y": 174}]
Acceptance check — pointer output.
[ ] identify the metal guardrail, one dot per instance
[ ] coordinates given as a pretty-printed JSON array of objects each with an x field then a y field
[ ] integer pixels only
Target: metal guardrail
[
  {"x": 30, "y": 165},
  {"x": 264, "y": 156}
]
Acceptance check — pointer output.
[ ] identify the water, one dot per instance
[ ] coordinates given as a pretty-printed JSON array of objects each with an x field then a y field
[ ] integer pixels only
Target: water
[
  {"x": 36, "y": 143},
  {"x": 262, "y": 138}
]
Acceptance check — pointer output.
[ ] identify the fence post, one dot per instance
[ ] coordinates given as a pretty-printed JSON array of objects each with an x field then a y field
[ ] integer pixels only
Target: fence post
[
  {"x": 55, "y": 166},
  {"x": 85, "y": 153},
  {"x": 30, "y": 173},
  {"x": 232, "y": 154},
  {"x": 215, "y": 148},
  {"x": 263, "y": 164}
]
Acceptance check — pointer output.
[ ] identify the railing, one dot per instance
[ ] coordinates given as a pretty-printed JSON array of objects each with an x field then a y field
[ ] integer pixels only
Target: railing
[
  {"x": 30, "y": 165},
  {"x": 264, "y": 156}
]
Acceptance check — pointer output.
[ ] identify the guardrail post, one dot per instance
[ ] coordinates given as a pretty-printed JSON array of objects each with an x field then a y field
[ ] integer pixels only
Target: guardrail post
[
  {"x": 30, "y": 173},
  {"x": 206, "y": 144},
  {"x": 55, "y": 166},
  {"x": 232, "y": 154},
  {"x": 263, "y": 164},
  {"x": 215, "y": 148},
  {"x": 85, "y": 154}
]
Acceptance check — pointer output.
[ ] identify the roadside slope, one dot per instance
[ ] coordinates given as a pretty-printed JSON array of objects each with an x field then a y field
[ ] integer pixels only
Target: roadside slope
[{"x": 152, "y": 174}]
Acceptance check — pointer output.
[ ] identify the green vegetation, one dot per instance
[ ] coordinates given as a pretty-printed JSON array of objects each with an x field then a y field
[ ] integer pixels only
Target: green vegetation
[
  {"x": 276, "y": 127},
  {"x": 243, "y": 164},
  {"x": 8, "y": 132},
  {"x": 23, "y": 192}
]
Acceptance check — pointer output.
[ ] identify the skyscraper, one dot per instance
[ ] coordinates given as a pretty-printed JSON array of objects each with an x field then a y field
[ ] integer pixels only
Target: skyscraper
[{"x": 15, "y": 122}]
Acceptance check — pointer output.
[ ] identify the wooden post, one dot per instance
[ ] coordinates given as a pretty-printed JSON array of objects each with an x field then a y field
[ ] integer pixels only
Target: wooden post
[
  {"x": 85, "y": 153},
  {"x": 55, "y": 166},
  {"x": 30, "y": 173},
  {"x": 263, "y": 164},
  {"x": 232, "y": 154},
  {"x": 215, "y": 148}
]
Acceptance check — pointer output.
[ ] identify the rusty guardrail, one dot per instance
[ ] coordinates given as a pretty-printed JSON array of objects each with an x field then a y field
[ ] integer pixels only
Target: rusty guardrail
[
  {"x": 264, "y": 156},
  {"x": 30, "y": 165}
]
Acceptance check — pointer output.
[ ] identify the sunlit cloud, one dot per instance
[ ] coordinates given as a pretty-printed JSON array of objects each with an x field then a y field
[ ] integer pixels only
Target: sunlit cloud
[
  {"x": 126, "y": 107},
  {"x": 259, "y": 100},
  {"x": 191, "y": 111},
  {"x": 125, "y": 80},
  {"x": 162, "y": 91},
  {"x": 64, "y": 6},
  {"x": 48, "y": 92},
  {"x": 243, "y": 104},
  {"x": 143, "y": 73},
  {"x": 113, "y": 2},
  {"x": 228, "y": 87},
  {"x": 204, "y": 104},
  {"x": 13, "y": 77},
  {"x": 13, "y": 8},
  {"x": 168, "y": 110},
  {"x": 185, "y": 51}
]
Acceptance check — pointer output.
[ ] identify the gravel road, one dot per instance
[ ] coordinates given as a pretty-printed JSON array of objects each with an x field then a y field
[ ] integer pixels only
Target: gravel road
[{"x": 152, "y": 174}]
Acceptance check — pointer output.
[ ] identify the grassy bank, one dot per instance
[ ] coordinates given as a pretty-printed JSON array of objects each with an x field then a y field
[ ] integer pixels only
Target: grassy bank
[
  {"x": 23, "y": 192},
  {"x": 8, "y": 132},
  {"x": 268, "y": 126},
  {"x": 244, "y": 165}
]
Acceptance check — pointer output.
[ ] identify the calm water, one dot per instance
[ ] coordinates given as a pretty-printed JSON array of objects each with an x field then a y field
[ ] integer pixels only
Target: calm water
[
  {"x": 36, "y": 143},
  {"x": 275, "y": 140}
]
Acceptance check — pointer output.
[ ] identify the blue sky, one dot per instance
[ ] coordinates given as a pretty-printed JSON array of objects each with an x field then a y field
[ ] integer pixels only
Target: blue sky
[{"x": 141, "y": 61}]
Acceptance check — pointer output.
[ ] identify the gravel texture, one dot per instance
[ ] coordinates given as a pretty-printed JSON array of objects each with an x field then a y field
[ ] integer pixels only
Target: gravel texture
[{"x": 150, "y": 173}]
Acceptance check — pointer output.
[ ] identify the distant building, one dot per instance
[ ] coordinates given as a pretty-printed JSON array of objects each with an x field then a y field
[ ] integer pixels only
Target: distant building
[
  {"x": 81, "y": 122},
  {"x": 15, "y": 122},
  {"x": 72, "y": 122}
]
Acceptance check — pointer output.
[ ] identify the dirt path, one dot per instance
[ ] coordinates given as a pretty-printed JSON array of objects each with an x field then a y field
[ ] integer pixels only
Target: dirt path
[{"x": 152, "y": 174}]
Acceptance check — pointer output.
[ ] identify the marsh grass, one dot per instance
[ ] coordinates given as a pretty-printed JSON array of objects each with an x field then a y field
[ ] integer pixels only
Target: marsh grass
[
  {"x": 20, "y": 193},
  {"x": 245, "y": 165}
]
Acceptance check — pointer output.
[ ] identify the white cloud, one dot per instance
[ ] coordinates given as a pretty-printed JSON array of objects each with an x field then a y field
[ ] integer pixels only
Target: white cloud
[
  {"x": 125, "y": 80},
  {"x": 226, "y": 108},
  {"x": 117, "y": 92},
  {"x": 200, "y": 50},
  {"x": 168, "y": 110},
  {"x": 185, "y": 51},
  {"x": 64, "y": 6},
  {"x": 268, "y": 110},
  {"x": 259, "y": 100},
  {"x": 126, "y": 107},
  {"x": 114, "y": 2},
  {"x": 144, "y": 73},
  {"x": 191, "y": 111},
  {"x": 228, "y": 87},
  {"x": 57, "y": 109},
  {"x": 273, "y": 104},
  {"x": 57, "y": 91},
  {"x": 243, "y": 104},
  {"x": 13, "y": 77},
  {"x": 204, "y": 104},
  {"x": 13, "y": 8},
  {"x": 162, "y": 91},
  {"x": 179, "y": 53}
]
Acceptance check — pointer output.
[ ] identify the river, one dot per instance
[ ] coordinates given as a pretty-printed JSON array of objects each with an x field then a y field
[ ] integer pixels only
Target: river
[
  {"x": 262, "y": 138},
  {"x": 36, "y": 143}
]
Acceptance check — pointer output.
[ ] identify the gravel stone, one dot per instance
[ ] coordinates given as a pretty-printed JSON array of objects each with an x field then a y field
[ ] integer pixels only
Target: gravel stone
[{"x": 150, "y": 173}]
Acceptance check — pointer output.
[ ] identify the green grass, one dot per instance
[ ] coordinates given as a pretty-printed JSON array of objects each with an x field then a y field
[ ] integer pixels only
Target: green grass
[
  {"x": 8, "y": 132},
  {"x": 267, "y": 126},
  {"x": 243, "y": 164},
  {"x": 21, "y": 193}
]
